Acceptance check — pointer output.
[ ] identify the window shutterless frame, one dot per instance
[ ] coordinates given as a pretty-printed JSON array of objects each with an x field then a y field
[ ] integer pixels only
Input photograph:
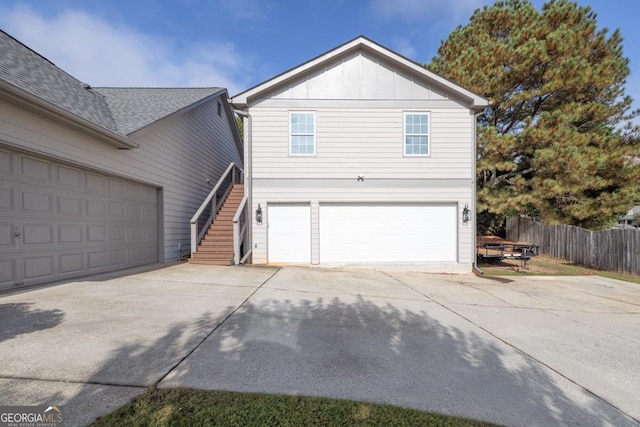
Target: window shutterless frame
[
  {"x": 416, "y": 133},
  {"x": 302, "y": 133}
]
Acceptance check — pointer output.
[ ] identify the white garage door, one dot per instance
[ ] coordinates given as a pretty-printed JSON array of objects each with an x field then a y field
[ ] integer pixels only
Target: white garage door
[
  {"x": 377, "y": 233},
  {"x": 289, "y": 234},
  {"x": 59, "y": 221}
]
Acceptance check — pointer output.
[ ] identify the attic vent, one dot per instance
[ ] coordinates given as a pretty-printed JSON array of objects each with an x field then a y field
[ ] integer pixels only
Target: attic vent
[
  {"x": 219, "y": 109},
  {"x": 86, "y": 86}
]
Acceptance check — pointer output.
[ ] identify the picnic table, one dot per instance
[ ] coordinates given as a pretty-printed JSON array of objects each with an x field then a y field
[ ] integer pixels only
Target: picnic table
[{"x": 498, "y": 250}]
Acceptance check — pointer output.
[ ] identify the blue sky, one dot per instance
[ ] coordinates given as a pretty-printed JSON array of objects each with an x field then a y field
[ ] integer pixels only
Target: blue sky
[{"x": 239, "y": 43}]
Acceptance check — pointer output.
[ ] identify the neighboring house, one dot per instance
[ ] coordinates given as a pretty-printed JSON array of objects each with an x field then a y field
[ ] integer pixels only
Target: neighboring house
[
  {"x": 631, "y": 218},
  {"x": 99, "y": 179},
  {"x": 361, "y": 156}
]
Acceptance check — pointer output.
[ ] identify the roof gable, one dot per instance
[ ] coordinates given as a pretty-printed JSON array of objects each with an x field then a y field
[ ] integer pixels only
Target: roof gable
[{"x": 367, "y": 70}]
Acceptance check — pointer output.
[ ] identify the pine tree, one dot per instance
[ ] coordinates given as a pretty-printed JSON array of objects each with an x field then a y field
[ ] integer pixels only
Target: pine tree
[{"x": 556, "y": 141}]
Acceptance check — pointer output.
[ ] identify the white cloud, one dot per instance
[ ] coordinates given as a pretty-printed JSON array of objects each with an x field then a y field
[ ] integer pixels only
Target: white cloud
[
  {"x": 405, "y": 48},
  {"x": 423, "y": 10},
  {"x": 104, "y": 54}
]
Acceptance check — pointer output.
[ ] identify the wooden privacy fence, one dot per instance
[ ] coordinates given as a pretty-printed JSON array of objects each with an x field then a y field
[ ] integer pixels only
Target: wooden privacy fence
[{"x": 613, "y": 250}]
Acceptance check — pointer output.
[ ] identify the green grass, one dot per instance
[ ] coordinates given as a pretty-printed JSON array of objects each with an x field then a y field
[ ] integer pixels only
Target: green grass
[
  {"x": 545, "y": 266},
  {"x": 187, "y": 407}
]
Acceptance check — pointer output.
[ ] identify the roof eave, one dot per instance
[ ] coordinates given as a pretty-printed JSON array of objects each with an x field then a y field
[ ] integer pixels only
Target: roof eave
[{"x": 36, "y": 104}]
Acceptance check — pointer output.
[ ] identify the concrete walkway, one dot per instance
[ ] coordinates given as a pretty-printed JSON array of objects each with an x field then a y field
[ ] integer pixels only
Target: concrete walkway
[{"x": 535, "y": 351}]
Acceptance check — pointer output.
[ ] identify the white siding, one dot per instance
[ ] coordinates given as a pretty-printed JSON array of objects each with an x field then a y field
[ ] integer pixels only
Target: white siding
[{"x": 176, "y": 154}]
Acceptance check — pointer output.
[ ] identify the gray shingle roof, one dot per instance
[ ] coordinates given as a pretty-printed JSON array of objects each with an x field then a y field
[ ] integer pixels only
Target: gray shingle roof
[
  {"x": 118, "y": 110},
  {"x": 135, "y": 108},
  {"x": 33, "y": 73}
]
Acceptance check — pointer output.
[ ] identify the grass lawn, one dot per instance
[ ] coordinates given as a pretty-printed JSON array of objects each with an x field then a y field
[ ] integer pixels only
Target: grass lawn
[
  {"x": 187, "y": 407},
  {"x": 544, "y": 265}
]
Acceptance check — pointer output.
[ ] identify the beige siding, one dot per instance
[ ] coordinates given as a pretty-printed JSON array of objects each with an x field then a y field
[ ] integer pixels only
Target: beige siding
[
  {"x": 365, "y": 141},
  {"x": 176, "y": 154},
  {"x": 359, "y": 100}
]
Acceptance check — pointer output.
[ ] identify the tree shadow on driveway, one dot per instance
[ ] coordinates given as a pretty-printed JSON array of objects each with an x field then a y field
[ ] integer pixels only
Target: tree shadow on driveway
[
  {"x": 415, "y": 354},
  {"x": 409, "y": 353},
  {"x": 22, "y": 318}
]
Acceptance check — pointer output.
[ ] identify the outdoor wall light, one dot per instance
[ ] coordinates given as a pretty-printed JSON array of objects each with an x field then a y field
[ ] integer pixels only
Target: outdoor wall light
[
  {"x": 466, "y": 214},
  {"x": 259, "y": 214}
]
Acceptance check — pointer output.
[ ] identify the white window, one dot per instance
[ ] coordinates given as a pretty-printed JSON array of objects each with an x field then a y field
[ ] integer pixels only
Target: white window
[
  {"x": 416, "y": 134},
  {"x": 302, "y": 133}
]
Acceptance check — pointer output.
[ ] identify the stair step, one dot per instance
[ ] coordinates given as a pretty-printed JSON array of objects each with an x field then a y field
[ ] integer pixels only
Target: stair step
[
  {"x": 219, "y": 233},
  {"x": 220, "y": 261},
  {"x": 212, "y": 255},
  {"x": 202, "y": 262},
  {"x": 217, "y": 243},
  {"x": 216, "y": 247}
]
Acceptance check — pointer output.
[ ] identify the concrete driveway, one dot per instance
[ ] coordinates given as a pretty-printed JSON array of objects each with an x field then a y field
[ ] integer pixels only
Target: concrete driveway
[{"x": 535, "y": 351}]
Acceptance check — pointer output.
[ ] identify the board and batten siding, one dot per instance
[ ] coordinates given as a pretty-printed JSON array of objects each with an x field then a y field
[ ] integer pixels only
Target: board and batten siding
[
  {"x": 177, "y": 154},
  {"x": 359, "y": 75}
]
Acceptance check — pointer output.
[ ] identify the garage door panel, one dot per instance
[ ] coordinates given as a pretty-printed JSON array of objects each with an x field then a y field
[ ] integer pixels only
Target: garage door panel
[
  {"x": 37, "y": 234},
  {"x": 6, "y": 235},
  {"x": 96, "y": 208},
  {"x": 59, "y": 221},
  {"x": 95, "y": 184},
  {"x": 70, "y": 234},
  {"x": 6, "y": 162},
  {"x": 6, "y": 199},
  {"x": 36, "y": 169},
  {"x": 69, "y": 177},
  {"x": 289, "y": 233},
  {"x": 379, "y": 233},
  {"x": 7, "y": 273},
  {"x": 97, "y": 259},
  {"x": 70, "y": 205},
  {"x": 39, "y": 267},
  {"x": 36, "y": 202},
  {"x": 71, "y": 263}
]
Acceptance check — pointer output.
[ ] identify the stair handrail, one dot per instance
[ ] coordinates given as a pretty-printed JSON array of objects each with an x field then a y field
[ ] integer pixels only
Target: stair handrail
[
  {"x": 239, "y": 230},
  {"x": 195, "y": 235}
]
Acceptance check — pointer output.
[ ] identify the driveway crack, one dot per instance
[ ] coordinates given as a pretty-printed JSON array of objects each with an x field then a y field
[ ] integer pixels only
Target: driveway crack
[{"x": 216, "y": 327}]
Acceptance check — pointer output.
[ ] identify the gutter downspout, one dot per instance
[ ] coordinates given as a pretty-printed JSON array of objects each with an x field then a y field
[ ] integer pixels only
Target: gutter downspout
[
  {"x": 248, "y": 171},
  {"x": 474, "y": 238}
]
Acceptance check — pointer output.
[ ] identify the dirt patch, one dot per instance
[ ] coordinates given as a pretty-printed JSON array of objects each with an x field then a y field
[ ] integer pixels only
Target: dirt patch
[{"x": 540, "y": 264}]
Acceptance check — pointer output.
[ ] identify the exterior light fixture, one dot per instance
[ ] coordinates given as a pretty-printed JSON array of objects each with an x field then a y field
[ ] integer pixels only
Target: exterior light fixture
[
  {"x": 259, "y": 214},
  {"x": 466, "y": 214}
]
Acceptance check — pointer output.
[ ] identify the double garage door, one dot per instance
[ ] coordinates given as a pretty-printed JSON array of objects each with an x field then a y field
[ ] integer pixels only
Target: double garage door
[
  {"x": 364, "y": 233},
  {"x": 59, "y": 221}
]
